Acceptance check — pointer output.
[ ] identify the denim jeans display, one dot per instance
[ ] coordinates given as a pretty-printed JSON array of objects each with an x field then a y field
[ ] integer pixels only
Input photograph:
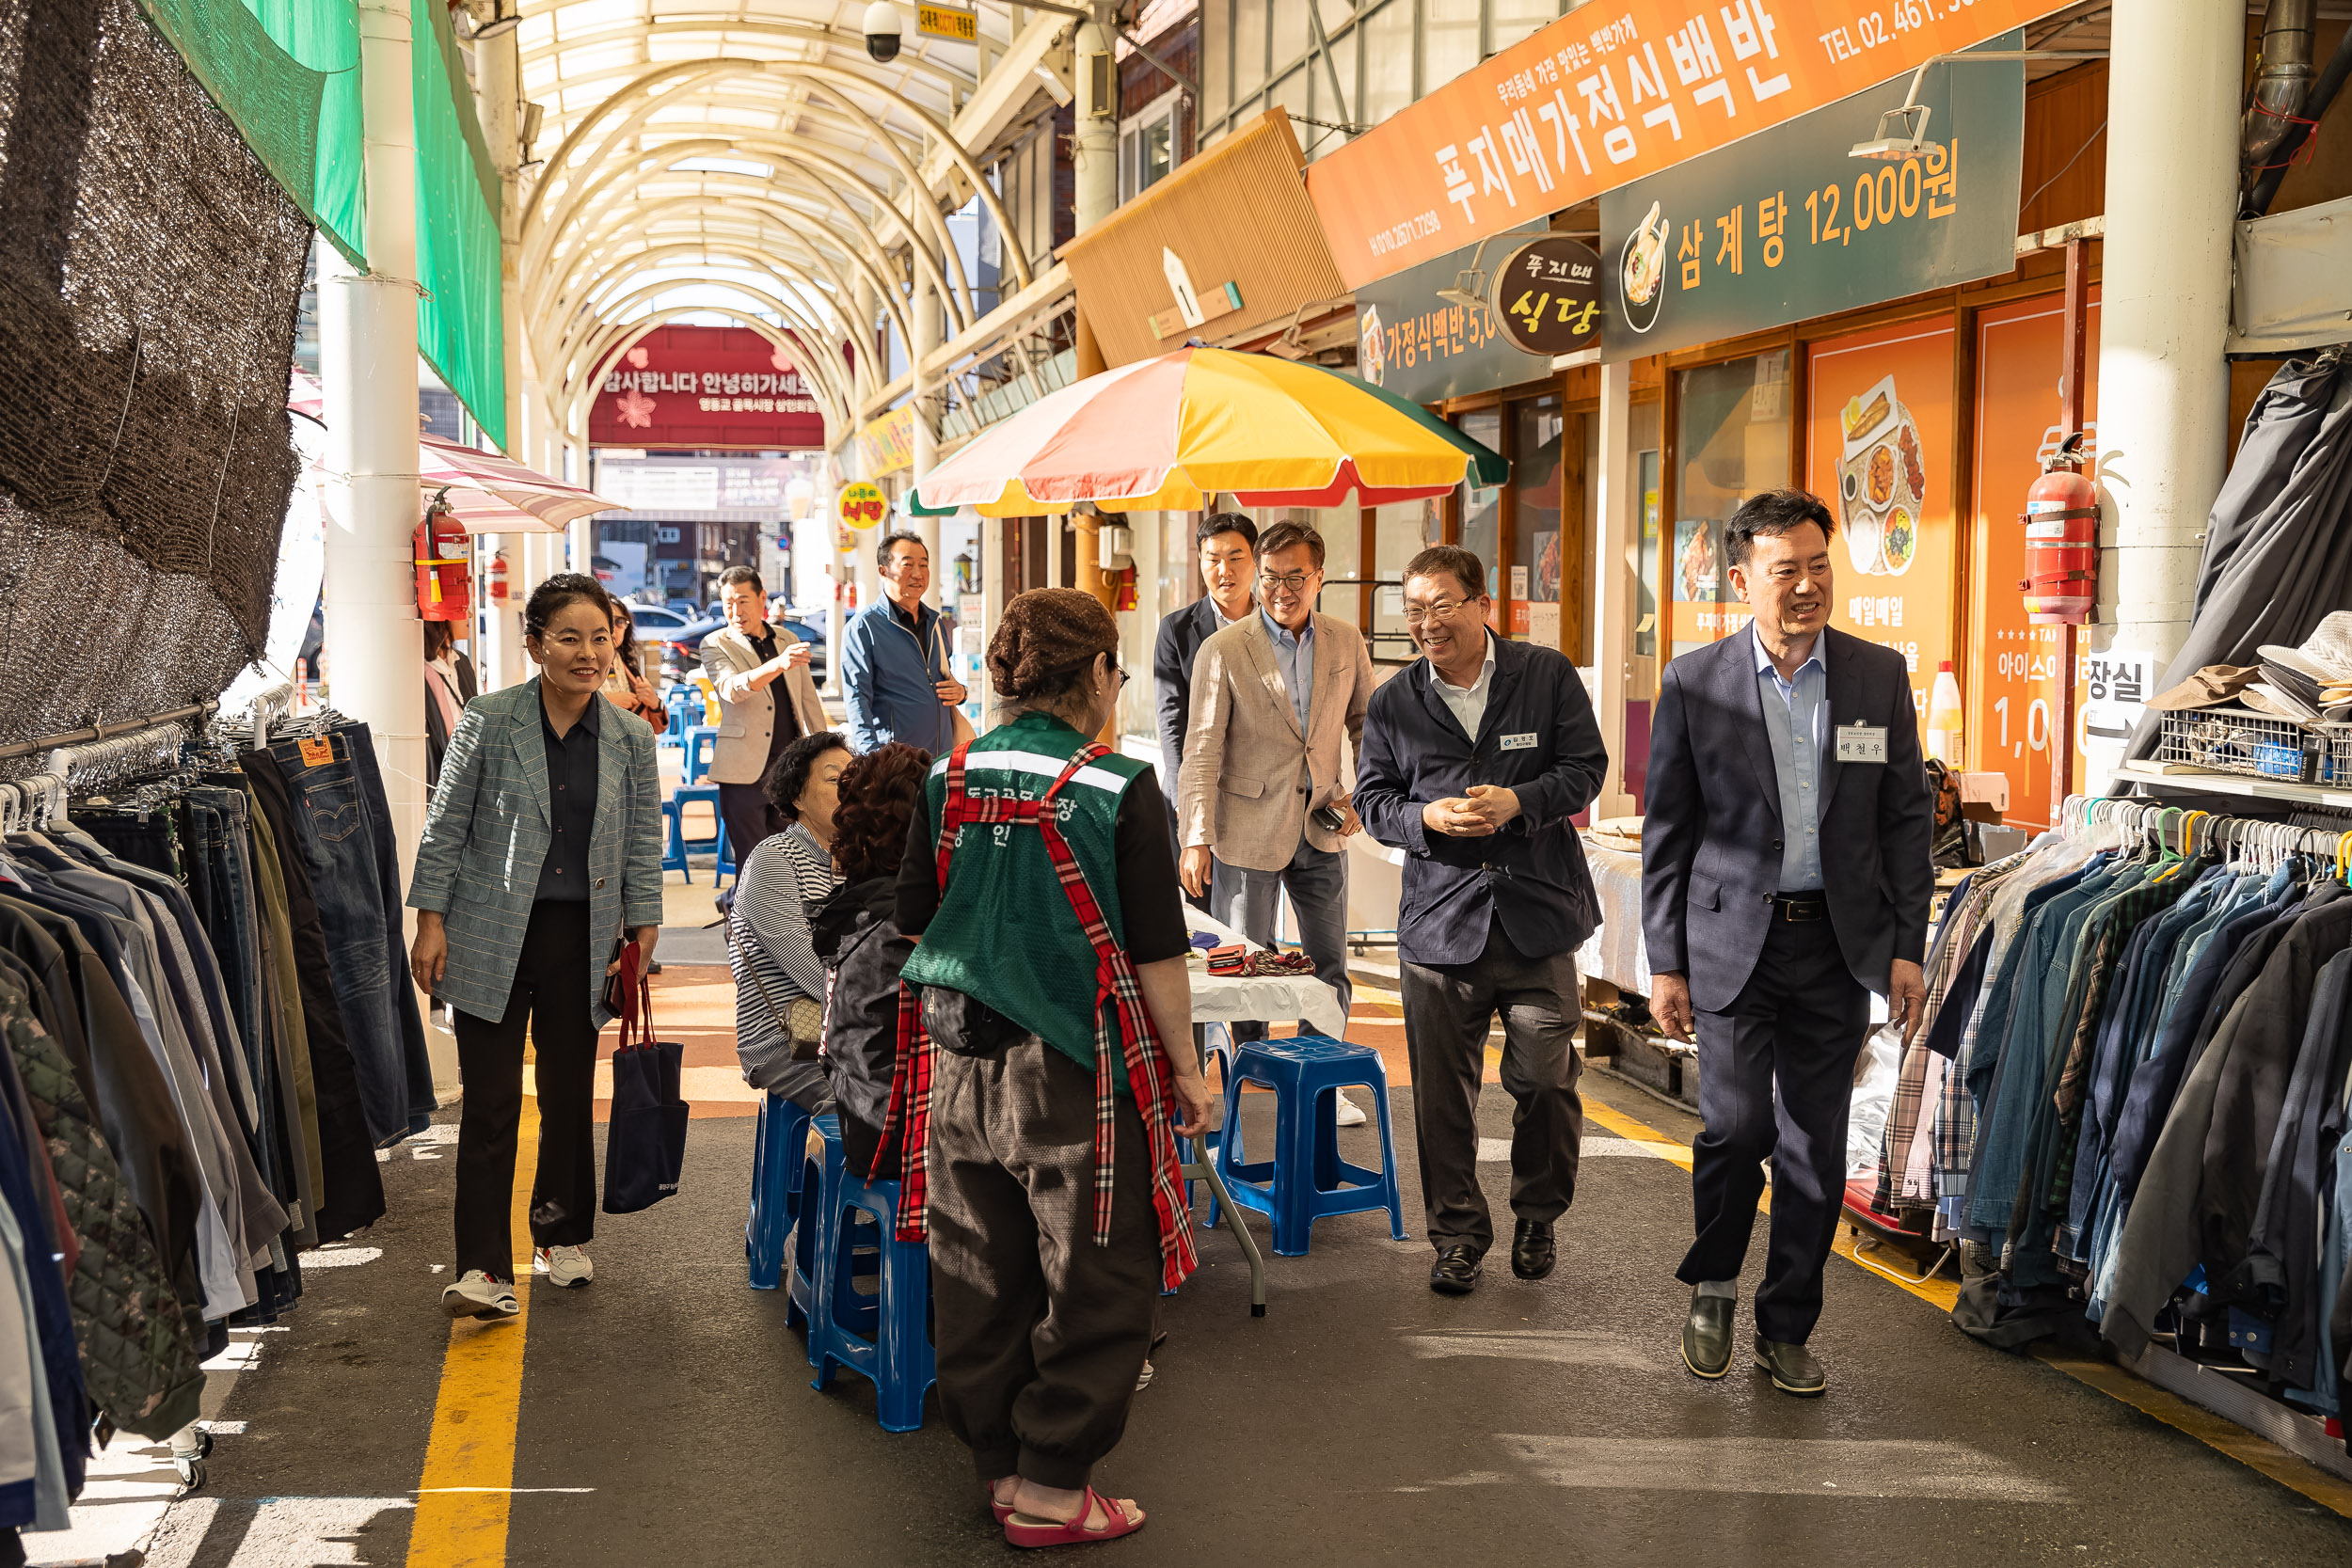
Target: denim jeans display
[{"x": 343, "y": 829}]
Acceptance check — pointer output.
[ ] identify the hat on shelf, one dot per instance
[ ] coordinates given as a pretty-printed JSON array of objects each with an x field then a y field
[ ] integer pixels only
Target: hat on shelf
[
  {"x": 2325, "y": 656},
  {"x": 2210, "y": 687}
]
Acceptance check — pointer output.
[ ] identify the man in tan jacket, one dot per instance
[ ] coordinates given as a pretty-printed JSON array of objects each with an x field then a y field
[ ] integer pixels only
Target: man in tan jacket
[
  {"x": 1262, "y": 783},
  {"x": 766, "y": 701}
]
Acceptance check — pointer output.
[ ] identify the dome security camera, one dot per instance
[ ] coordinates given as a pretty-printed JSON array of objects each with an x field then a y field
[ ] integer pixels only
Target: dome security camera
[{"x": 883, "y": 30}]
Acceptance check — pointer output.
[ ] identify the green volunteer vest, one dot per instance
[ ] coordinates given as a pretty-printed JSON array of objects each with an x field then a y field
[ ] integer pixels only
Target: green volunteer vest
[{"x": 1005, "y": 931}]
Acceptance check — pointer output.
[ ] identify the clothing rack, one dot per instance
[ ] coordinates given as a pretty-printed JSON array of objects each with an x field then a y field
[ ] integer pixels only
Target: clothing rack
[
  {"x": 106, "y": 732},
  {"x": 2251, "y": 838}
]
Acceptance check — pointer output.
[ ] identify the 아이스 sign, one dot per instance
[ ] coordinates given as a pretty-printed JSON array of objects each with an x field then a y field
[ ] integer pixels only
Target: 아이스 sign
[
  {"x": 705, "y": 388},
  {"x": 1613, "y": 91}
]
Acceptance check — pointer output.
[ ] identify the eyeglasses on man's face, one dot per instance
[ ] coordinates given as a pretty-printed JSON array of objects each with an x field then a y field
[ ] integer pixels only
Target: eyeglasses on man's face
[
  {"x": 1287, "y": 581},
  {"x": 1437, "y": 609}
]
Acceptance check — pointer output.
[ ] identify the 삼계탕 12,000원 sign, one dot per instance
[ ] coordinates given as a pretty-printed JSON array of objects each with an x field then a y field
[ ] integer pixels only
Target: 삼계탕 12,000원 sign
[{"x": 1613, "y": 91}]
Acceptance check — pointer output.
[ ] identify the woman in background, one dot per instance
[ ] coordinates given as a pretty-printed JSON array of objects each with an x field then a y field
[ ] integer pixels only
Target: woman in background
[
  {"x": 448, "y": 688},
  {"x": 625, "y": 685}
]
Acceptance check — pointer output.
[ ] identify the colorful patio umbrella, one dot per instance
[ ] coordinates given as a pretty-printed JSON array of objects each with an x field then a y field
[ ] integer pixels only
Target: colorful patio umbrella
[
  {"x": 1161, "y": 433},
  {"x": 490, "y": 493}
]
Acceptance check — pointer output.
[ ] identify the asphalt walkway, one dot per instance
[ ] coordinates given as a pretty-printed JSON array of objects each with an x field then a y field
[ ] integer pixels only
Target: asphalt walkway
[{"x": 664, "y": 1414}]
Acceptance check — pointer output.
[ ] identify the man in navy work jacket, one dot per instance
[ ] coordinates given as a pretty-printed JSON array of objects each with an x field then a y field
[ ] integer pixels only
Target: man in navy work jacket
[
  {"x": 1785, "y": 877},
  {"x": 894, "y": 658},
  {"x": 1474, "y": 758}
]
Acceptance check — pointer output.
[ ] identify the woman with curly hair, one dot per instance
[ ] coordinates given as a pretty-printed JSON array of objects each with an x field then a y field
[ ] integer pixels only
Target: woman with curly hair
[
  {"x": 1040, "y": 880},
  {"x": 855, "y": 934}
]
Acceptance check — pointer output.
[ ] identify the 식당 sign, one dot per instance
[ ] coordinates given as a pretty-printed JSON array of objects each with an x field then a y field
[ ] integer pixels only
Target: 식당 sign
[
  {"x": 705, "y": 388},
  {"x": 1547, "y": 296},
  {"x": 1616, "y": 90},
  {"x": 1787, "y": 227}
]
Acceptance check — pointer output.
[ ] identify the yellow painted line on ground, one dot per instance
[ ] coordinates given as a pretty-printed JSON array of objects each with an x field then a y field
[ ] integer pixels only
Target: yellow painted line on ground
[
  {"x": 2215, "y": 1432},
  {"x": 463, "y": 1497},
  {"x": 2218, "y": 1433}
]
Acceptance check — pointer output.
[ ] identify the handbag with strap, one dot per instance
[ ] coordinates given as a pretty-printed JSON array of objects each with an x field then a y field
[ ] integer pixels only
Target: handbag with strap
[
  {"x": 801, "y": 1020},
  {"x": 644, "y": 1148}
]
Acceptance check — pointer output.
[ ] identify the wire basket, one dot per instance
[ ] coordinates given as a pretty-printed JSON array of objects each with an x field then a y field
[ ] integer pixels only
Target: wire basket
[{"x": 2239, "y": 741}]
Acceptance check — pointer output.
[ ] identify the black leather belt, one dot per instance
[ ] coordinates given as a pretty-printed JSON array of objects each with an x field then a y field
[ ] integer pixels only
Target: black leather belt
[{"x": 1799, "y": 905}]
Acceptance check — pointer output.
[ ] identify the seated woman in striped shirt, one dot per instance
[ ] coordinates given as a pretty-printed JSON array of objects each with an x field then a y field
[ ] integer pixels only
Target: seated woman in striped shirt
[{"x": 779, "y": 980}]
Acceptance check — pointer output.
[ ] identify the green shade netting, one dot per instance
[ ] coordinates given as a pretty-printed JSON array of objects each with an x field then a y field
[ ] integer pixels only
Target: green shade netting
[
  {"x": 287, "y": 74},
  {"x": 461, "y": 325}
]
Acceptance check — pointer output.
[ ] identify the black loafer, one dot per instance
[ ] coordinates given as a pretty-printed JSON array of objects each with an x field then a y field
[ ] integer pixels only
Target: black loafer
[
  {"x": 1793, "y": 1368},
  {"x": 1533, "y": 1252},
  {"x": 1456, "y": 1272},
  {"x": 1706, "y": 1336}
]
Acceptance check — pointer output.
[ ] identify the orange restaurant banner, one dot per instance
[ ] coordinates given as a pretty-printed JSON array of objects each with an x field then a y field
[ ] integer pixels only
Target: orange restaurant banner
[
  {"x": 2008, "y": 687},
  {"x": 1613, "y": 91},
  {"x": 1878, "y": 450}
]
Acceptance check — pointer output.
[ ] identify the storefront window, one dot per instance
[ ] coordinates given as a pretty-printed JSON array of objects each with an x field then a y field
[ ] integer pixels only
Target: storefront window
[
  {"x": 1731, "y": 442},
  {"x": 1400, "y": 532},
  {"x": 1645, "y": 605},
  {"x": 1481, "y": 510},
  {"x": 1546, "y": 483},
  {"x": 1249, "y": 49},
  {"x": 1449, "y": 40},
  {"x": 1388, "y": 35}
]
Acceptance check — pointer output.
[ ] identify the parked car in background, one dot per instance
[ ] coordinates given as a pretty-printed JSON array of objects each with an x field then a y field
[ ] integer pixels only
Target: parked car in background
[
  {"x": 654, "y": 621},
  {"x": 681, "y": 648}
]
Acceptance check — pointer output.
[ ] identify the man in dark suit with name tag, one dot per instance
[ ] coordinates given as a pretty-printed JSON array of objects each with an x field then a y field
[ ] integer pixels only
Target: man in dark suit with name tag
[
  {"x": 1228, "y": 572},
  {"x": 1474, "y": 759},
  {"x": 1785, "y": 877}
]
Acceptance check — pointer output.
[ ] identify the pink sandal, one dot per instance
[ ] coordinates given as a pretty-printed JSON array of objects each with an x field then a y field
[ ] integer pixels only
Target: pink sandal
[
  {"x": 1002, "y": 1510},
  {"x": 1021, "y": 1530}
]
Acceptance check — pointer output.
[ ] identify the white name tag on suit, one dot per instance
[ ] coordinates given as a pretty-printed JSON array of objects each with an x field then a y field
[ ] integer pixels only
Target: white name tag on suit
[
  {"x": 1861, "y": 743},
  {"x": 1519, "y": 742}
]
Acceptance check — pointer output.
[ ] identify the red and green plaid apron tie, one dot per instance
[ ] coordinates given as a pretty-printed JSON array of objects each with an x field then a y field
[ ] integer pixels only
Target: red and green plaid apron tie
[{"x": 1132, "y": 1037}]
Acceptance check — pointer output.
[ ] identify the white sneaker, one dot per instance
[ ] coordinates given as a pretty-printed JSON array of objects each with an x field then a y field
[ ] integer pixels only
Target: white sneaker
[
  {"x": 477, "y": 1295},
  {"x": 566, "y": 1266},
  {"x": 1345, "y": 1111}
]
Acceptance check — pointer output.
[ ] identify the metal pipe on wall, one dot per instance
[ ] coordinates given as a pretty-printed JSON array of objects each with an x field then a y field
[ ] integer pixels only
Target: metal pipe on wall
[{"x": 1616, "y": 539}]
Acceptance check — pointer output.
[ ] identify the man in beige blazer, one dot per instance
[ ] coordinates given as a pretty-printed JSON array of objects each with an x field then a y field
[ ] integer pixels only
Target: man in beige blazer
[
  {"x": 767, "y": 699},
  {"x": 1261, "y": 784}
]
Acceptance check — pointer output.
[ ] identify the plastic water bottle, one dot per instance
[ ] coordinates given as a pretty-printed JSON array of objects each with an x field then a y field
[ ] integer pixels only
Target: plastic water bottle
[{"x": 1943, "y": 720}]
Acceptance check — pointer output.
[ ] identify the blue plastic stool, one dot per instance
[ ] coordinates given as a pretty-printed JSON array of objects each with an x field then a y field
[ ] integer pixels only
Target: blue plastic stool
[
  {"x": 676, "y": 845},
  {"x": 679, "y": 703},
  {"x": 702, "y": 745},
  {"x": 886, "y": 1336},
  {"x": 1307, "y": 1180},
  {"x": 823, "y": 1136},
  {"x": 779, "y": 1156}
]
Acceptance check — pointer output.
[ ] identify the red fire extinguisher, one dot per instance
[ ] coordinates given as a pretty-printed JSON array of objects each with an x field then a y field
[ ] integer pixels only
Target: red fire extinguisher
[
  {"x": 2062, "y": 520},
  {"x": 444, "y": 556},
  {"x": 495, "y": 577}
]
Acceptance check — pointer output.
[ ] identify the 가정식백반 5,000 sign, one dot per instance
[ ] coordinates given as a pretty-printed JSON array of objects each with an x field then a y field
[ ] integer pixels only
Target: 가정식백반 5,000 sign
[{"x": 1613, "y": 91}]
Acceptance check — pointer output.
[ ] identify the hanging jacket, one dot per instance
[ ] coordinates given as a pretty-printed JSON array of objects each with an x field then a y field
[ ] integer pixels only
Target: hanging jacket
[
  {"x": 854, "y": 932},
  {"x": 139, "y": 1355}
]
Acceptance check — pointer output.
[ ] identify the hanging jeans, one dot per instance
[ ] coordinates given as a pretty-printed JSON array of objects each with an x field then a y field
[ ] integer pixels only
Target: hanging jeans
[{"x": 344, "y": 826}]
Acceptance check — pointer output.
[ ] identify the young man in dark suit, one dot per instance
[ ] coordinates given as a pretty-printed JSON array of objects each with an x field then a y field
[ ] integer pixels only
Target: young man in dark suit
[
  {"x": 1785, "y": 877},
  {"x": 1474, "y": 759},
  {"x": 1229, "y": 566}
]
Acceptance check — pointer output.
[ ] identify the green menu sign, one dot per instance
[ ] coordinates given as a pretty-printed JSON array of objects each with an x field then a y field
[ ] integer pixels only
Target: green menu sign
[
  {"x": 1788, "y": 225},
  {"x": 1419, "y": 346}
]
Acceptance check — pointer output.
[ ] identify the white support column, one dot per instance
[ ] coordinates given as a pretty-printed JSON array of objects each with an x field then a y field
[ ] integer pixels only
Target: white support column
[
  {"x": 1094, "y": 139},
  {"x": 923, "y": 397},
  {"x": 368, "y": 365},
  {"x": 2174, "y": 81},
  {"x": 839, "y": 570},
  {"x": 992, "y": 609},
  {"x": 1615, "y": 537},
  {"x": 499, "y": 60},
  {"x": 1055, "y": 523}
]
